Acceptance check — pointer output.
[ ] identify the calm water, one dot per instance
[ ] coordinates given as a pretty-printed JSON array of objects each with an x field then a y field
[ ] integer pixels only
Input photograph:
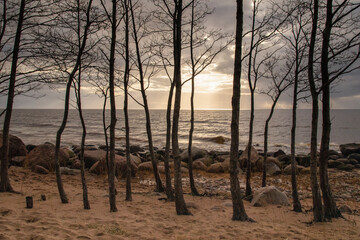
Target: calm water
[{"x": 39, "y": 126}]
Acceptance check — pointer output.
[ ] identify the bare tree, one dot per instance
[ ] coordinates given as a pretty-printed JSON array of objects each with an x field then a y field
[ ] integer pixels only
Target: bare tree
[{"x": 239, "y": 213}]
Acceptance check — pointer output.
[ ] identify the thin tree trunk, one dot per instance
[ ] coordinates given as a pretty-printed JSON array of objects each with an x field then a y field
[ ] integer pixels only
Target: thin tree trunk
[
  {"x": 239, "y": 213},
  {"x": 126, "y": 112},
  {"x": 317, "y": 204},
  {"x": 111, "y": 172},
  {"x": 295, "y": 196},
  {"x": 330, "y": 208},
  {"x": 190, "y": 159},
  {"x": 181, "y": 208},
  {"x": 5, "y": 185},
  {"x": 159, "y": 185},
  {"x": 169, "y": 190}
]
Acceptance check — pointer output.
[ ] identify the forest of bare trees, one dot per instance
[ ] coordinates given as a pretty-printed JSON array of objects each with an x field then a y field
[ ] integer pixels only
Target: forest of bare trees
[{"x": 118, "y": 47}]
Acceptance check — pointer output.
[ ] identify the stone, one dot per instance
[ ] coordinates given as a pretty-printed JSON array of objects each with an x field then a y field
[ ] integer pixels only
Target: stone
[
  {"x": 76, "y": 164},
  {"x": 349, "y": 148},
  {"x": 333, "y": 152},
  {"x": 303, "y": 160},
  {"x": 279, "y": 153},
  {"x": 287, "y": 169},
  {"x": 30, "y": 147},
  {"x": 145, "y": 166},
  {"x": 44, "y": 155},
  {"x": 199, "y": 165},
  {"x": 206, "y": 160},
  {"x": 39, "y": 169},
  {"x": 100, "y": 168},
  {"x": 334, "y": 163},
  {"x": 16, "y": 146},
  {"x": 343, "y": 160},
  {"x": 353, "y": 161},
  {"x": 355, "y": 156},
  {"x": 305, "y": 170},
  {"x": 93, "y": 156},
  {"x": 345, "y": 167},
  {"x": 69, "y": 171},
  {"x": 345, "y": 209},
  {"x": 260, "y": 163},
  {"x": 269, "y": 195},
  {"x": 17, "y": 161},
  {"x": 135, "y": 159},
  {"x": 136, "y": 148},
  {"x": 254, "y": 156},
  {"x": 218, "y": 139},
  {"x": 272, "y": 169},
  {"x": 196, "y": 153},
  {"x": 285, "y": 159},
  {"x": 334, "y": 157},
  {"x": 216, "y": 168}
]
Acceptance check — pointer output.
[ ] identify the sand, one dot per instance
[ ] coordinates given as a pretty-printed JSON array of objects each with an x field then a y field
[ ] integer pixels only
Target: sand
[{"x": 148, "y": 216}]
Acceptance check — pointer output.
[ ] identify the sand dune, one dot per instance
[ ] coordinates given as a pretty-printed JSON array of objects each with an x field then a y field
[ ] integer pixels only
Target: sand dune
[{"x": 147, "y": 217}]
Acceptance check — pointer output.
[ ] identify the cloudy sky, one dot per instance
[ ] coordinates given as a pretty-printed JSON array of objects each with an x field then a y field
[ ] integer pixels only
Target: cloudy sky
[{"x": 213, "y": 87}]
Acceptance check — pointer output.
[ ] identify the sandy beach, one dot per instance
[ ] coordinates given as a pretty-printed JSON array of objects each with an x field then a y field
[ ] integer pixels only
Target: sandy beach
[{"x": 148, "y": 216}]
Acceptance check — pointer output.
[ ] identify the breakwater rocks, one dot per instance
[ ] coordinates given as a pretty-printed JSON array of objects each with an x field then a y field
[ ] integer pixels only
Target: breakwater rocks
[{"x": 41, "y": 159}]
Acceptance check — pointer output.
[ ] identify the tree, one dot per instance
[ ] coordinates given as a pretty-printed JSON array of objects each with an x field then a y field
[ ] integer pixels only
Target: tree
[
  {"x": 5, "y": 185},
  {"x": 239, "y": 213}
]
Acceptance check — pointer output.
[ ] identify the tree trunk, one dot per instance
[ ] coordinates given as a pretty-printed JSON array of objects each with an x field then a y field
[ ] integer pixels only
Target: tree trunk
[
  {"x": 181, "y": 208},
  {"x": 190, "y": 159},
  {"x": 159, "y": 185},
  {"x": 295, "y": 196},
  {"x": 239, "y": 213},
  {"x": 317, "y": 204},
  {"x": 169, "y": 190},
  {"x": 5, "y": 185},
  {"x": 111, "y": 173},
  {"x": 330, "y": 208}
]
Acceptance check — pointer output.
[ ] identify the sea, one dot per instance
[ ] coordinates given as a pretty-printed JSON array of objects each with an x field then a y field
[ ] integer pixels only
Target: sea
[{"x": 36, "y": 126}]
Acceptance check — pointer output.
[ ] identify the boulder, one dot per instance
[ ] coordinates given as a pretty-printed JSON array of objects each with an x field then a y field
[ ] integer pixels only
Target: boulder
[
  {"x": 199, "y": 165},
  {"x": 334, "y": 157},
  {"x": 206, "y": 160},
  {"x": 39, "y": 169},
  {"x": 136, "y": 159},
  {"x": 287, "y": 169},
  {"x": 17, "y": 161},
  {"x": 303, "y": 160},
  {"x": 272, "y": 169},
  {"x": 349, "y": 148},
  {"x": 216, "y": 168},
  {"x": 353, "y": 161},
  {"x": 44, "y": 155},
  {"x": 260, "y": 163},
  {"x": 343, "y": 160},
  {"x": 345, "y": 167},
  {"x": 16, "y": 146},
  {"x": 345, "y": 209},
  {"x": 285, "y": 159},
  {"x": 334, "y": 163},
  {"x": 279, "y": 153},
  {"x": 196, "y": 153},
  {"x": 69, "y": 171},
  {"x": 218, "y": 139},
  {"x": 93, "y": 156},
  {"x": 145, "y": 166},
  {"x": 269, "y": 195},
  {"x": 120, "y": 167},
  {"x": 333, "y": 152},
  {"x": 76, "y": 164},
  {"x": 355, "y": 156},
  {"x": 254, "y": 156},
  {"x": 136, "y": 148}
]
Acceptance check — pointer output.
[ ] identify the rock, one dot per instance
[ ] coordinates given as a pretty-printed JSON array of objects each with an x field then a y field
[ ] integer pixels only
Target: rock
[
  {"x": 343, "y": 160},
  {"x": 216, "y": 168},
  {"x": 254, "y": 156},
  {"x": 345, "y": 167},
  {"x": 120, "y": 167},
  {"x": 39, "y": 169},
  {"x": 279, "y": 153},
  {"x": 345, "y": 209},
  {"x": 136, "y": 159},
  {"x": 272, "y": 169},
  {"x": 353, "y": 161},
  {"x": 145, "y": 166},
  {"x": 260, "y": 163},
  {"x": 69, "y": 171},
  {"x": 269, "y": 195},
  {"x": 334, "y": 163},
  {"x": 199, "y": 165},
  {"x": 285, "y": 159},
  {"x": 93, "y": 156},
  {"x": 303, "y": 160},
  {"x": 76, "y": 164},
  {"x": 298, "y": 168},
  {"x": 218, "y": 139},
  {"x": 355, "y": 156},
  {"x": 206, "y": 160},
  {"x": 30, "y": 147},
  {"x": 334, "y": 157},
  {"x": 16, "y": 146},
  {"x": 226, "y": 165},
  {"x": 196, "y": 153},
  {"x": 333, "y": 152},
  {"x": 349, "y": 148},
  {"x": 135, "y": 148},
  {"x": 17, "y": 161},
  {"x": 305, "y": 170},
  {"x": 44, "y": 155}
]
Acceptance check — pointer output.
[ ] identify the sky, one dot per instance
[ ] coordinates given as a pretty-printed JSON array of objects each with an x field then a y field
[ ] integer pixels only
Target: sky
[{"x": 213, "y": 87}]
